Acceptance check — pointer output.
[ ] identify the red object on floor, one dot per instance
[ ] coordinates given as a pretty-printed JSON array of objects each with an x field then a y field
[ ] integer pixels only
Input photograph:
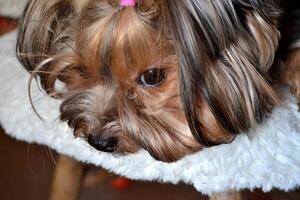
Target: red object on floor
[
  {"x": 7, "y": 24},
  {"x": 4, "y": 22},
  {"x": 120, "y": 183}
]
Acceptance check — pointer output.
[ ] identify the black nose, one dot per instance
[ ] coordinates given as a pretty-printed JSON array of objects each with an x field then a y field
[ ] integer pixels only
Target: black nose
[{"x": 106, "y": 144}]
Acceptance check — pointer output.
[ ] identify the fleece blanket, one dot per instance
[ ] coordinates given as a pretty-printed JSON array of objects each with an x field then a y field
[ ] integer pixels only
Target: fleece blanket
[
  {"x": 12, "y": 8},
  {"x": 269, "y": 159}
]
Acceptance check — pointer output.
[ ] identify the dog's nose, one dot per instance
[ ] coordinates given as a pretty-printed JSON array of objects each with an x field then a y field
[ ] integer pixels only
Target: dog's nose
[{"x": 106, "y": 144}]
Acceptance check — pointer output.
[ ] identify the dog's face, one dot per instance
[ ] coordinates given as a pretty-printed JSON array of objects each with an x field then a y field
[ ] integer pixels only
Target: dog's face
[
  {"x": 131, "y": 98},
  {"x": 167, "y": 76}
]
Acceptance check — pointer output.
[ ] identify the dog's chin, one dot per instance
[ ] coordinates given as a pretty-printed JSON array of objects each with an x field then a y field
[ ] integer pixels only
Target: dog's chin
[{"x": 163, "y": 142}]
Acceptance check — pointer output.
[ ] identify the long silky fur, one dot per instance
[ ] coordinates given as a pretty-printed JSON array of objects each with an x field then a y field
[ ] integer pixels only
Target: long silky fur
[
  {"x": 217, "y": 56},
  {"x": 225, "y": 49}
]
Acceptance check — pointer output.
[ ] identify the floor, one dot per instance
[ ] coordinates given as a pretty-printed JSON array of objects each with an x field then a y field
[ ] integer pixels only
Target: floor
[{"x": 26, "y": 172}]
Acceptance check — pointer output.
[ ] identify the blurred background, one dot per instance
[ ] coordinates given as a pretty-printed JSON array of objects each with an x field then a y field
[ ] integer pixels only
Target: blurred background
[{"x": 26, "y": 170}]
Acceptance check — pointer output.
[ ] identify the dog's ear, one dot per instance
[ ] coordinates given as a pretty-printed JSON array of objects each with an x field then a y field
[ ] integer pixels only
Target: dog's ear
[
  {"x": 39, "y": 25},
  {"x": 41, "y": 28},
  {"x": 225, "y": 49}
]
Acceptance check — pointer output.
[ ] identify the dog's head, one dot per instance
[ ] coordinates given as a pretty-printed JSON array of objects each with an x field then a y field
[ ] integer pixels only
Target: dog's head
[{"x": 169, "y": 76}]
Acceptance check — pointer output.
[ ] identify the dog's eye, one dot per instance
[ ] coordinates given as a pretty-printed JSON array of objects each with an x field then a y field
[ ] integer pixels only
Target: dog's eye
[{"x": 152, "y": 77}]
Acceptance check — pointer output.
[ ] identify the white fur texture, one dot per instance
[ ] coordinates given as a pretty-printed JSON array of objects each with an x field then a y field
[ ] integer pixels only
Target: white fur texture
[
  {"x": 12, "y": 8},
  {"x": 271, "y": 158}
]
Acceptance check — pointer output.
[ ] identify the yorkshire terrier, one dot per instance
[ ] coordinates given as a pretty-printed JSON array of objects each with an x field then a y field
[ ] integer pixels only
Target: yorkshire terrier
[{"x": 168, "y": 76}]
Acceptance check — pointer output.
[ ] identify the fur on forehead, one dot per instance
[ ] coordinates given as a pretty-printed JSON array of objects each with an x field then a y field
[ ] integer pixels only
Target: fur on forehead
[{"x": 121, "y": 42}]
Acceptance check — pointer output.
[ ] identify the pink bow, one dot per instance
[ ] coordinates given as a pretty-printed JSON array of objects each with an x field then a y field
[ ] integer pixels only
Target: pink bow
[{"x": 126, "y": 3}]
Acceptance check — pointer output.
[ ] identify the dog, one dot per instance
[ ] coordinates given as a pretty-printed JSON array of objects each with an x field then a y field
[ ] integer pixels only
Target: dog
[{"x": 168, "y": 76}]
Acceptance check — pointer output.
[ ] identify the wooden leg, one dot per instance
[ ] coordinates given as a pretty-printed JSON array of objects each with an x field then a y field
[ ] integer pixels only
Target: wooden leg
[
  {"x": 230, "y": 195},
  {"x": 67, "y": 179}
]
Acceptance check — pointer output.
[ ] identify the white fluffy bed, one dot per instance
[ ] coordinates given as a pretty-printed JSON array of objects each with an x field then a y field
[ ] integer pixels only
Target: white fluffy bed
[
  {"x": 12, "y": 8},
  {"x": 271, "y": 158}
]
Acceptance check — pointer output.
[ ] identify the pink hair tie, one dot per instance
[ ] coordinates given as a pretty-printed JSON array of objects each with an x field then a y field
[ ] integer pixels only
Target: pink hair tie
[{"x": 127, "y": 3}]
